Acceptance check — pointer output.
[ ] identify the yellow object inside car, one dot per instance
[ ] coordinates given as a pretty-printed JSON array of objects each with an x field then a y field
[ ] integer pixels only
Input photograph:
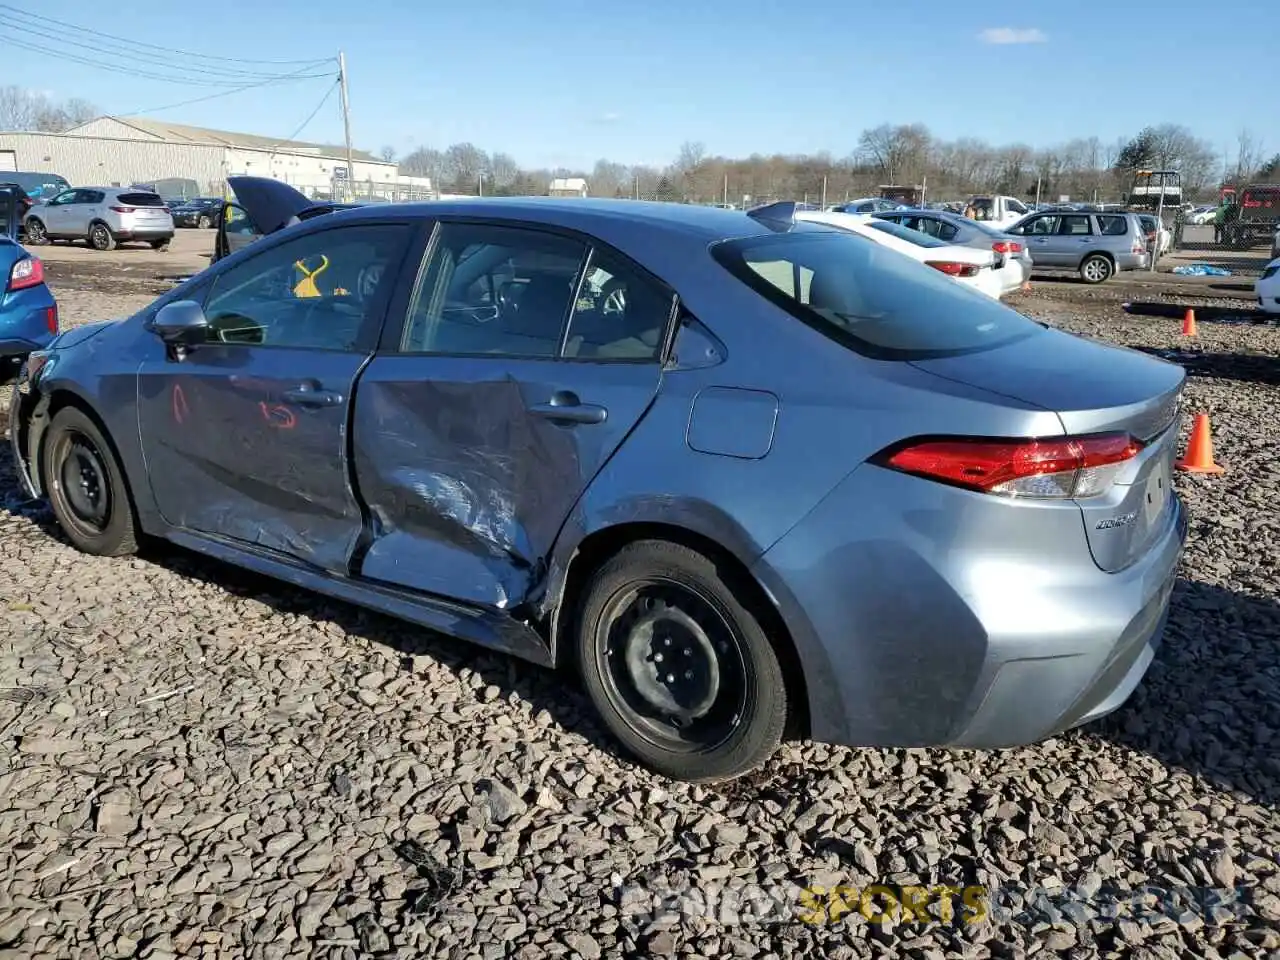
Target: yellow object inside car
[{"x": 307, "y": 287}]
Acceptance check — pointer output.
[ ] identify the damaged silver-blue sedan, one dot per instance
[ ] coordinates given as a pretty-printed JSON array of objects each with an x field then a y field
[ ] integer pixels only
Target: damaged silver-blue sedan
[{"x": 752, "y": 477}]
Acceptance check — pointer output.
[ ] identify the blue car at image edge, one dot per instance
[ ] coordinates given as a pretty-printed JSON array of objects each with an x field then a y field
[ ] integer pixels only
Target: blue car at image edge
[{"x": 28, "y": 311}]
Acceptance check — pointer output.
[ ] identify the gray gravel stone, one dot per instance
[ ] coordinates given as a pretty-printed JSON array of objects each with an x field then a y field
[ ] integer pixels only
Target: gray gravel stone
[{"x": 256, "y": 812}]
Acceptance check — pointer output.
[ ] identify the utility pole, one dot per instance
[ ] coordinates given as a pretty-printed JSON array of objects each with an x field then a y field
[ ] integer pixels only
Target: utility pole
[
  {"x": 346, "y": 116},
  {"x": 726, "y": 189},
  {"x": 823, "y": 205}
]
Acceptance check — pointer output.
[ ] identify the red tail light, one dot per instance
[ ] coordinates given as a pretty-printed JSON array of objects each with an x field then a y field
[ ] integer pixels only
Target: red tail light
[
  {"x": 953, "y": 269},
  {"x": 1059, "y": 468},
  {"x": 124, "y": 209},
  {"x": 1006, "y": 246},
  {"x": 51, "y": 319},
  {"x": 27, "y": 272}
]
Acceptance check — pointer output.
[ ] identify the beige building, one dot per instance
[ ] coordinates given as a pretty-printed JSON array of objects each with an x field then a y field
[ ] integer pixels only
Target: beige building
[
  {"x": 568, "y": 187},
  {"x": 119, "y": 151}
]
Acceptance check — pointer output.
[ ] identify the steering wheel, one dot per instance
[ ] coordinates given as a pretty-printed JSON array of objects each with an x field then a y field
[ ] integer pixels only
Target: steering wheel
[{"x": 613, "y": 298}]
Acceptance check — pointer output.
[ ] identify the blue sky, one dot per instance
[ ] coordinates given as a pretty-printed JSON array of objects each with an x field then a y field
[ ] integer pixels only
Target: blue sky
[{"x": 566, "y": 82}]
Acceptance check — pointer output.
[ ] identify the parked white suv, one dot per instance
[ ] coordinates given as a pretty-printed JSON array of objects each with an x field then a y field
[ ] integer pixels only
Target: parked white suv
[{"x": 103, "y": 217}]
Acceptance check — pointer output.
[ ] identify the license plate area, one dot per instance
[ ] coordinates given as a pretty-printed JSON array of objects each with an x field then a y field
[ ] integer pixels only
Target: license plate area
[{"x": 1158, "y": 491}]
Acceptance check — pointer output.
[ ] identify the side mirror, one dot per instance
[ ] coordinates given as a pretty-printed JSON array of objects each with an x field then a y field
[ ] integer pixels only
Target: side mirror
[{"x": 181, "y": 324}]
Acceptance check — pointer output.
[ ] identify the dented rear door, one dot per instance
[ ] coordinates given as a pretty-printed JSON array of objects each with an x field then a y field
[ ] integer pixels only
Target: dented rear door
[{"x": 470, "y": 456}]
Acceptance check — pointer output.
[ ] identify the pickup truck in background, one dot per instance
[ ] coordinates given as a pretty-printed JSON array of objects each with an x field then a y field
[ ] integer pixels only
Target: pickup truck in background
[{"x": 999, "y": 211}]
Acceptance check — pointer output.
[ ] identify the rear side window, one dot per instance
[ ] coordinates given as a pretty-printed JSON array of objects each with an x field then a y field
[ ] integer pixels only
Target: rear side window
[
  {"x": 141, "y": 199},
  {"x": 869, "y": 298},
  {"x": 1112, "y": 226}
]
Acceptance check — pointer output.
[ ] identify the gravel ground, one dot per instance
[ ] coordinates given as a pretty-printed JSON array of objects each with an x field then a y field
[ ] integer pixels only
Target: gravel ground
[{"x": 197, "y": 762}]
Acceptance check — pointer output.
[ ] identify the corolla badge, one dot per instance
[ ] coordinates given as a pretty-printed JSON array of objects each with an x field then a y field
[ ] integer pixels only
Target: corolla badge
[{"x": 1112, "y": 522}]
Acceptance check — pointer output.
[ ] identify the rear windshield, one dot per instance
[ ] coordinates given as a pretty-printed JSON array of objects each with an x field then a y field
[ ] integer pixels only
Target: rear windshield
[
  {"x": 141, "y": 199},
  {"x": 907, "y": 234},
  {"x": 874, "y": 300}
]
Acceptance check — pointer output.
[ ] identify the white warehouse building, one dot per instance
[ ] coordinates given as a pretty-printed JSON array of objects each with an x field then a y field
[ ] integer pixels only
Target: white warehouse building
[{"x": 121, "y": 151}]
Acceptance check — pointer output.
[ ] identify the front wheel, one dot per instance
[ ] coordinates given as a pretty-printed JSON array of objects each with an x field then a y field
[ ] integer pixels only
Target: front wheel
[
  {"x": 204, "y": 223},
  {"x": 36, "y": 233},
  {"x": 101, "y": 238},
  {"x": 86, "y": 486},
  {"x": 680, "y": 670},
  {"x": 1096, "y": 269}
]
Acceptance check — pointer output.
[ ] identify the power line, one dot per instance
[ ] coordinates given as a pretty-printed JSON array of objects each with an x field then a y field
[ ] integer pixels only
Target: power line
[
  {"x": 145, "y": 74},
  {"x": 227, "y": 93},
  {"x": 149, "y": 46},
  {"x": 312, "y": 115},
  {"x": 215, "y": 77}
]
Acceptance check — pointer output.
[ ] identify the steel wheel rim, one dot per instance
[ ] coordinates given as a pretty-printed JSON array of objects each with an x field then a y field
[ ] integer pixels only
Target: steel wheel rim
[
  {"x": 98, "y": 235},
  {"x": 36, "y": 232},
  {"x": 84, "y": 484},
  {"x": 672, "y": 665}
]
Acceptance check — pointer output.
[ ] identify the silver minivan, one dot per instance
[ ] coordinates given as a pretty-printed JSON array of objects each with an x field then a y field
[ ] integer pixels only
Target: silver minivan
[
  {"x": 1095, "y": 245},
  {"x": 103, "y": 217}
]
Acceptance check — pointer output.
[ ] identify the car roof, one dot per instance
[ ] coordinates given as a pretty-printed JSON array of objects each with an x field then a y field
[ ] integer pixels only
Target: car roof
[{"x": 590, "y": 215}]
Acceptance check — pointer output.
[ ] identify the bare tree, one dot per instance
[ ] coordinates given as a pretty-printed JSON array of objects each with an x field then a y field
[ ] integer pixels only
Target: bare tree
[
  {"x": 387, "y": 153},
  {"x": 425, "y": 162},
  {"x": 899, "y": 153},
  {"x": 503, "y": 171},
  {"x": 1249, "y": 156},
  {"x": 22, "y": 109}
]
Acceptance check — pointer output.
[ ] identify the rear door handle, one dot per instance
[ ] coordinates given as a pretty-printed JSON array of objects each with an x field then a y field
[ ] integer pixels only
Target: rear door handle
[
  {"x": 567, "y": 408},
  {"x": 308, "y": 395}
]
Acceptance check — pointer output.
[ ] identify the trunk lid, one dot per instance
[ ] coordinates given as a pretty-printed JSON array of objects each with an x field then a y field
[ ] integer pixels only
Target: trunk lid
[
  {"x": 269, "y": 203},
  {"x": 1095, "y": 388}
]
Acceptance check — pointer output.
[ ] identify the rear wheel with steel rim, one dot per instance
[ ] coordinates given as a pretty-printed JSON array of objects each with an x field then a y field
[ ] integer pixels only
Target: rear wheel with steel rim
[
  {"x": 86, "y": 487},
  {"x": 678, "y": 666},
  {"x": 1095, "y": 269},
  {"x": 101, "y": 237}
]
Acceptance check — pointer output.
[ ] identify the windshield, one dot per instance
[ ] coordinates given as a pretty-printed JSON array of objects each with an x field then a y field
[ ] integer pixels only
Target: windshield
[
  {"x": 869, "y": 298},
  {"x": 39, "y": 186}
]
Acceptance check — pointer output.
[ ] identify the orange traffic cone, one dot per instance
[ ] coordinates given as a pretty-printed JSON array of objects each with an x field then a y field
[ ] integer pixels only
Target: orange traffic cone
[
  {"x": 1199, "y": 458},
  {"x": 1189, "y": 323}
]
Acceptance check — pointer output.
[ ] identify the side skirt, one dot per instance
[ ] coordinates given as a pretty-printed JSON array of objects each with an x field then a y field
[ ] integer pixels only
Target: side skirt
[{"x": 486, "y": 628}]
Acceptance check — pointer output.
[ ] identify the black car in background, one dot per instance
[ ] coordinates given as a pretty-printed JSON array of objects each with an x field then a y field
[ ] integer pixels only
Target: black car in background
[{"x": 201, "y": 212}]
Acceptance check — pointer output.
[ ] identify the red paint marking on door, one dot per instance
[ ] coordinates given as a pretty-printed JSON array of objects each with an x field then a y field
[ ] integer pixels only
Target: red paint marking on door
[{"x": 179, "y": 403}]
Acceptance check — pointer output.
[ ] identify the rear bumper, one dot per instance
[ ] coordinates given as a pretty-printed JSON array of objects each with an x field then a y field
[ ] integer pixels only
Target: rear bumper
[
  {"x": 938, "y": 624},
  {"x": 144, "y": 233},
  {"x": 24, "y": 321},
  {"x": 1132, "y": 261}
]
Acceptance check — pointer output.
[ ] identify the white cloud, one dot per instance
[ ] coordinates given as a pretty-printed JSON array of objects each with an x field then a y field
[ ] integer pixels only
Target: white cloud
[
  {"x": 1008, "y": 35},
  {"x": 609, "y": 117}
]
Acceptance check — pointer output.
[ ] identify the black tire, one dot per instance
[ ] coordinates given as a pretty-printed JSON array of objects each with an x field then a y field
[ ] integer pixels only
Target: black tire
[
  {"x": 159, "y": 245},
  {"x": 204, "y": 223},
  {"x": 1096, "y": 268},
  {"x": 36, "y": 232},
  {"x": 100, "y": 237},
  {"x": 95, "y": 513},
  {"x": 731, "y": 697}
]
